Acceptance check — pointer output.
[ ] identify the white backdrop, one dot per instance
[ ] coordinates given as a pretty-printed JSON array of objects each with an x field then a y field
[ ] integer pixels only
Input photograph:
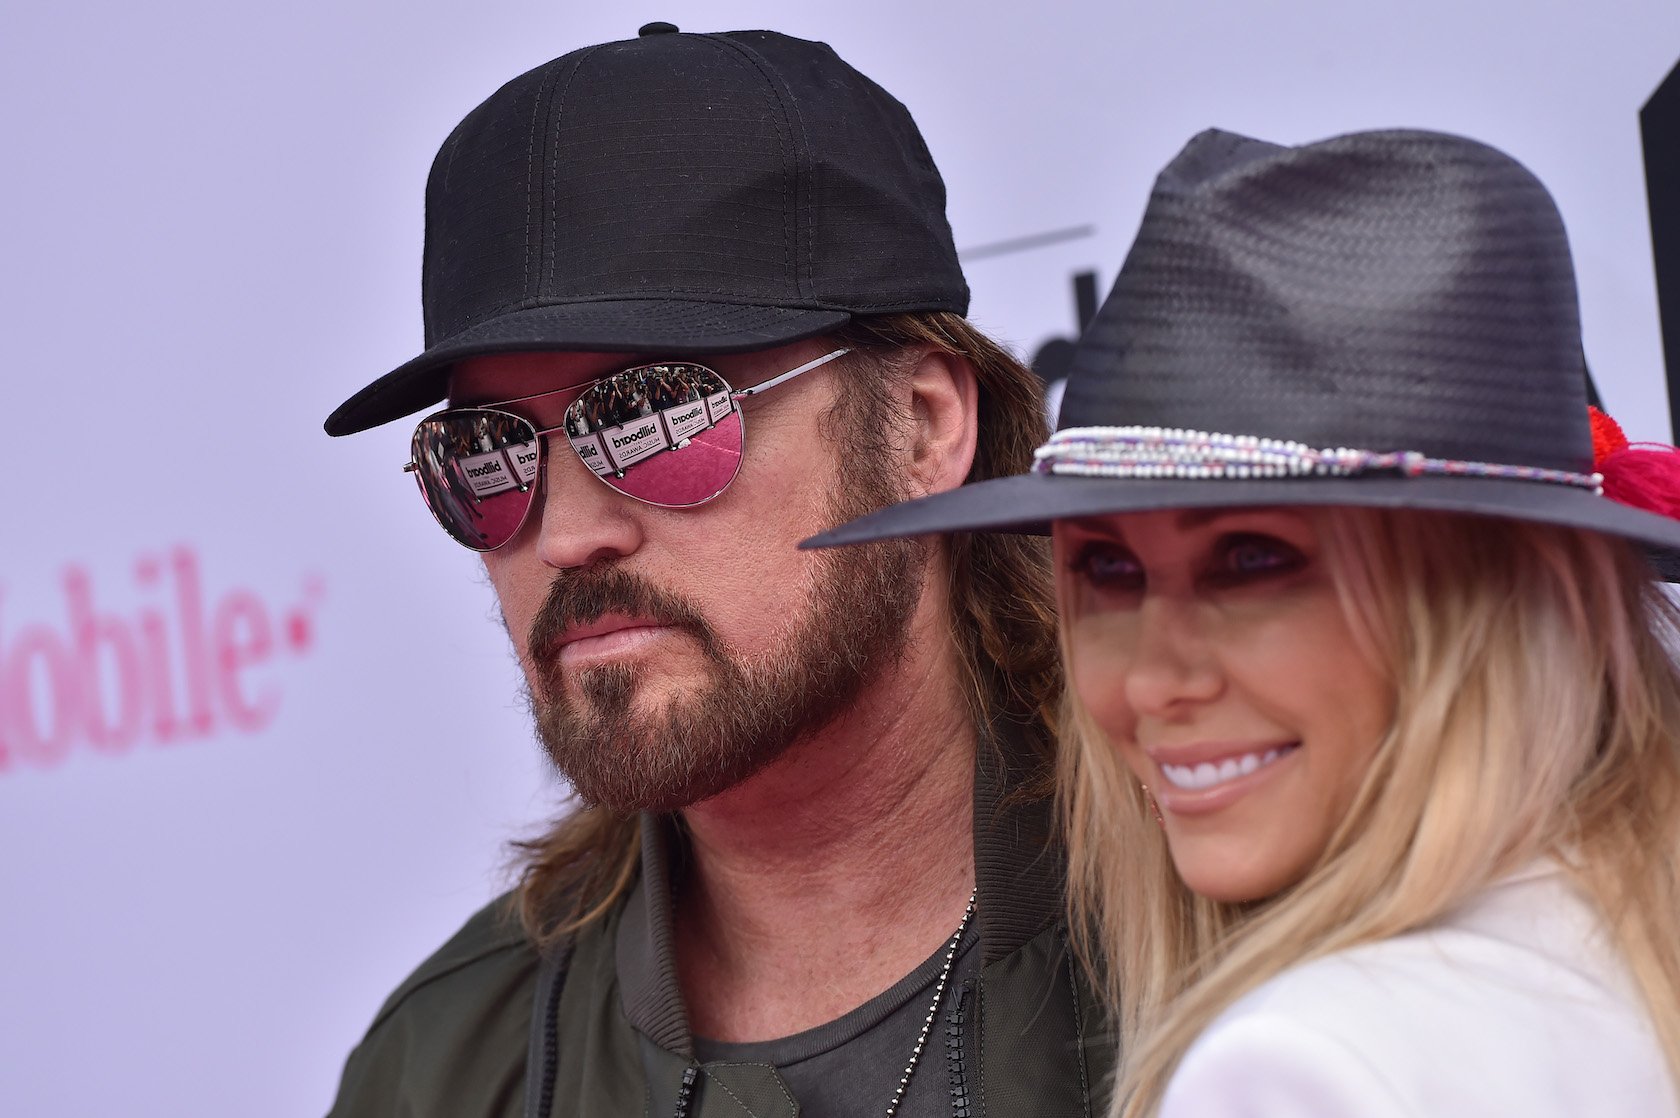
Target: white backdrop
[{"x": 261, "y": 739}]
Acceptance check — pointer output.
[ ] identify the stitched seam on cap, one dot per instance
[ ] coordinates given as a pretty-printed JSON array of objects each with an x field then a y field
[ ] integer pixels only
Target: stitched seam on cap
[
  {"x": 764, "y": 71},
  {"x": 695, "y": 295},
  {"x": 530, "y": 166},
  {"x": 454, "y": 144},
  {"x": 804, "y": 186},
  {"x": 804, "y": 192},
  {"x": 669, "y": 294},
  {"x": 554, "y": 167}
]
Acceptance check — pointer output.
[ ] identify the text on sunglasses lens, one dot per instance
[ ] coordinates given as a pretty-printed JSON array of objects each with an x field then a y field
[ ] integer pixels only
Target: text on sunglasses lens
[{"x": 628, "y": 428}]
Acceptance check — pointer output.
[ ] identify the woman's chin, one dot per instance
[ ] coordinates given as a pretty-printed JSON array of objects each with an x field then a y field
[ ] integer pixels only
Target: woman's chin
[{"x": 1236, "y": 876}]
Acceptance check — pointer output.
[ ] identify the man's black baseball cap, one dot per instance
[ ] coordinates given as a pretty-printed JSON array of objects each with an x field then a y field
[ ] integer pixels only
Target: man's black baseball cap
[{"x": 672, "y": 194}]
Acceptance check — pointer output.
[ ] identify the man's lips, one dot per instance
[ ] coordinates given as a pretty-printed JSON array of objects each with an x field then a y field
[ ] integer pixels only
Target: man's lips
[{"x": 608, "y": 635}]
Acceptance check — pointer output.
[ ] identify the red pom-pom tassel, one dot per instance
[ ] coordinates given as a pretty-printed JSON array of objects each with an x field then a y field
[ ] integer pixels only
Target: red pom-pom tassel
[
  {"x": 1643, "y": 475},
  {"x": 1607, "y": 435},
  {"x": 1646, "y": 476}
]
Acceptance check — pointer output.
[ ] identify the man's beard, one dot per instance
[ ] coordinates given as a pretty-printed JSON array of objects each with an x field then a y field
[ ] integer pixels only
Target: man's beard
[{"x": 629, "y": 757}]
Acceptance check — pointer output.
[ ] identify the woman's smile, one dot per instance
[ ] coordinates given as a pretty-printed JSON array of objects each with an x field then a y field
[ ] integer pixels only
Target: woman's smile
[{"x": 1189, "y": 788}]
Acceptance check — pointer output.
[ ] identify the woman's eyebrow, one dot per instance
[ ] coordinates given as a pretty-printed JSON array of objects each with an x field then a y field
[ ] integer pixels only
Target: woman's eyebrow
[{"x": 1195, "y": 518}]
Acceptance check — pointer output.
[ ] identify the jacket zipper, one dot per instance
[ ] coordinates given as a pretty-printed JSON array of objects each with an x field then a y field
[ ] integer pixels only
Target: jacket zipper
[
  {"x": 685, "y": 1092},
  {"x": 956, "y": 1054}
]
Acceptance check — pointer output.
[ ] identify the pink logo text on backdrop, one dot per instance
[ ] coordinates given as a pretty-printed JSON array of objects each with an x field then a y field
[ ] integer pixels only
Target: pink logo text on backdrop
[{"x": 174, "y": 667}]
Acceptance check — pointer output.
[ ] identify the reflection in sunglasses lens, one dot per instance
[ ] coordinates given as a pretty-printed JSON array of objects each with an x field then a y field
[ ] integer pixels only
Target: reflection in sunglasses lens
[
  {"x": 666, "y": 434},
  {"x": 477, "y": 471}
]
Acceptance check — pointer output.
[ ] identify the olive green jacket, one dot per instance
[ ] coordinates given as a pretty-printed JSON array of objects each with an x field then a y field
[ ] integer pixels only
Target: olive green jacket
[{"x": 486, "y": 1028}]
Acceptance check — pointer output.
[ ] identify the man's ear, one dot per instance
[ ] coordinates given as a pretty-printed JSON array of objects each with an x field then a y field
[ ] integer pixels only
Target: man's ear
[{"x": 944, "y": 422}]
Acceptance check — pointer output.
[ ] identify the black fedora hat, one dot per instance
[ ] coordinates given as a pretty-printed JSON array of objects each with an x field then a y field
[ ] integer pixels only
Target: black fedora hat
[
  {"x": 672, "y": 193},
  {"x": 1384, "y": 319}
]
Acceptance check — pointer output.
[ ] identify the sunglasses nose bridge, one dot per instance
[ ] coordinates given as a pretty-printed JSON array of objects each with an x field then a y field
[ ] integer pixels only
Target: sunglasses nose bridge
[{"x": 577, "y": 520}]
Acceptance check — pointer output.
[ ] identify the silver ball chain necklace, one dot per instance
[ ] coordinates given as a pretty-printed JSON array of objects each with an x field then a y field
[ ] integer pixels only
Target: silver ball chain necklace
[
  {"x": 691, "y": 1074},
  {"x": 933, "y": 1010}
]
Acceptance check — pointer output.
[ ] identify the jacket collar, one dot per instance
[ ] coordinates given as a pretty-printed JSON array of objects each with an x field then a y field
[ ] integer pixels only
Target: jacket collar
[{"x": 645, "y": 950}]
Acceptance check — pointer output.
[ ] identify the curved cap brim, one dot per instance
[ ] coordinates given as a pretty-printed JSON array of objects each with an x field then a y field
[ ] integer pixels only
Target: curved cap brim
[
  {"x": 1027, "y": 503},
  {"x": 643, "y": 326}
]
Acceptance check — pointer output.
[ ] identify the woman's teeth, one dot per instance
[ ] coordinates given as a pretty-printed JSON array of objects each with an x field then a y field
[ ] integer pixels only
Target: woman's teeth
[{"x": 1207, "y": 774}]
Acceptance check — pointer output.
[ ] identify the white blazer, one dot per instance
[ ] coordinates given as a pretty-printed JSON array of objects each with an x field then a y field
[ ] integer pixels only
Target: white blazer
[{"x": 1515, "y": 1005}]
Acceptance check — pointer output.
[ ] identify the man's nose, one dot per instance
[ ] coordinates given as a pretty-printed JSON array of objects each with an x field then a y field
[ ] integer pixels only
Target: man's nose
[
  {"x": 582, "y": 521},
  {"x": 1172, "y": 663}
]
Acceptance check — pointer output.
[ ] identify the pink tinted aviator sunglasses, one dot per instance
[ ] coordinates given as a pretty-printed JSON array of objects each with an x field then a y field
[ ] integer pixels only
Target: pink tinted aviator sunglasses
[{"x": 670, "y": 434}]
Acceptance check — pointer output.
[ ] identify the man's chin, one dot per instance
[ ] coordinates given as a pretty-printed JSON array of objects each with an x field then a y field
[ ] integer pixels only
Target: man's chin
[
  {"x": 630, "y": 744},
  {"x": 617, "y": 690},
  {"x": 648, "y": 783}
]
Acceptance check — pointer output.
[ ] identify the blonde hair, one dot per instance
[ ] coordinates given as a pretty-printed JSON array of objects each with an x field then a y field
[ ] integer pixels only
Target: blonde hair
[{"x": 1537, "y": 713}]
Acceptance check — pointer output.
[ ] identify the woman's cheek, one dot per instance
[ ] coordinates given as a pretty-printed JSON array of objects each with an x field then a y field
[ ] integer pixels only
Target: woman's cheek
[{"x": 1098, "y": 683}]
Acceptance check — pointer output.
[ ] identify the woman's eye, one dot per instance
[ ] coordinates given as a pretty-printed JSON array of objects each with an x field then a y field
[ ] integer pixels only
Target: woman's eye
[
  {"x": 1107, "y": 567},
  {"x": 1247, "y": 556}
]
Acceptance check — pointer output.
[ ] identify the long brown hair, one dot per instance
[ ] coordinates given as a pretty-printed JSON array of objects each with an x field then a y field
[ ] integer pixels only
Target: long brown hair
[{"x": 1001, "y": 602}]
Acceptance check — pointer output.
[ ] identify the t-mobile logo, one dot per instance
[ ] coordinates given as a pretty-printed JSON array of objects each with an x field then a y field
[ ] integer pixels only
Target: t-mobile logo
[{"x": 175, "y": 665}]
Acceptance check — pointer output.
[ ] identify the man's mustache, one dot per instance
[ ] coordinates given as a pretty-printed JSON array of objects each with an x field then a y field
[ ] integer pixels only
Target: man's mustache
[{"x": 583, "y": 596}]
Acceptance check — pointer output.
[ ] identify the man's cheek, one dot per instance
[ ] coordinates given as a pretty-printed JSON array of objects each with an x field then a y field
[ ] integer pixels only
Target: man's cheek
[{"x": 517, "y": 622}]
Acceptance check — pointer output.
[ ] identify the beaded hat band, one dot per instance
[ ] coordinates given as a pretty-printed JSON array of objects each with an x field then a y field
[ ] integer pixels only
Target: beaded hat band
[{"x": 1175, "y": 452}]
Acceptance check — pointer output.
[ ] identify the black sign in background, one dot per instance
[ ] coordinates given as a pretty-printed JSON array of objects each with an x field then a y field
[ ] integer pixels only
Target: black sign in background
[
  {"x": 1052, "y": 358},
  {"x": 1659, "y": 129}
]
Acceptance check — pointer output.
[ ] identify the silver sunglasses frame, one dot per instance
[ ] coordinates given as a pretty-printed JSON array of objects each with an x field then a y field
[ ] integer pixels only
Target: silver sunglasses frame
[{"x": 540, "y": 435}]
